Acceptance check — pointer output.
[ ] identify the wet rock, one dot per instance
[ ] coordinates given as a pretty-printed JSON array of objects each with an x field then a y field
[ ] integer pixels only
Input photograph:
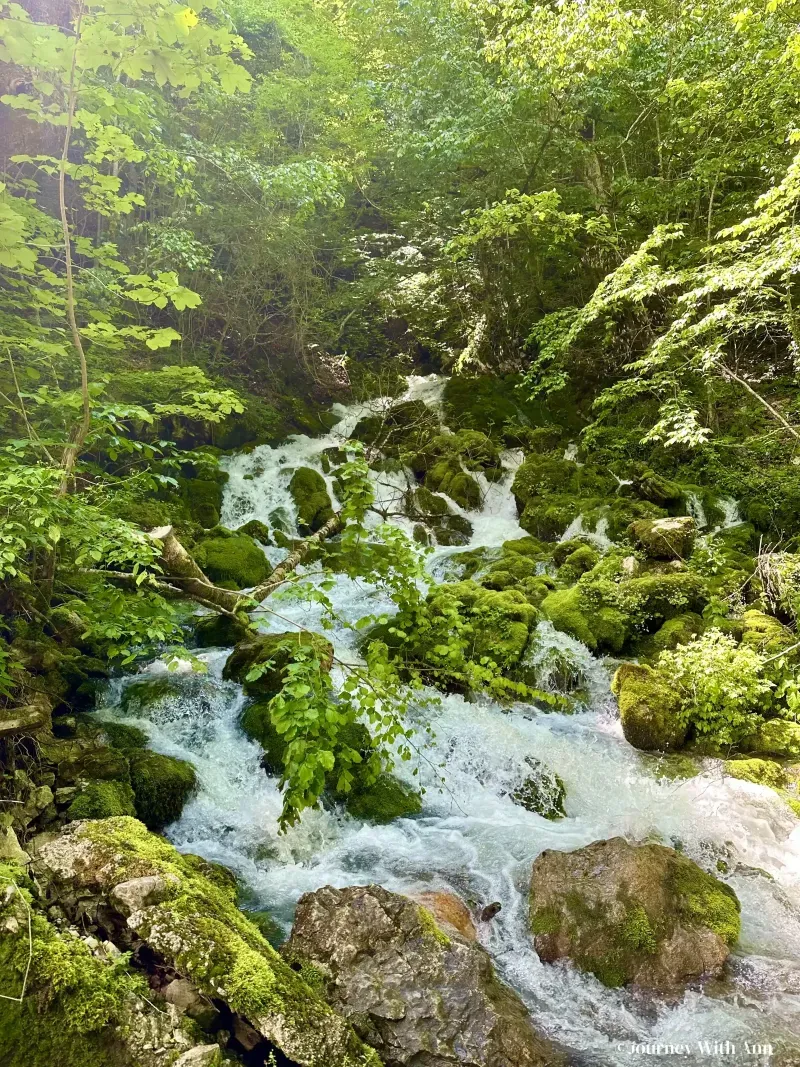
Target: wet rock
[
  {"x": 219, "y": 631},
  {"x": 449, "y": 911},
  {"x": 489, "y": 912},
  {"x": 649, "y": 709},
  {"x": 256, "y": 529},
  {"x": 632, "y": 914},
  {"x": 774, "y": 738},
  {"x": 161, "y": 786},
  {"x": 541, "y": 792},
  {"x": 32, "y": 718},
  {"x": 758, "y": 771},
  {"x": 272, "y": 652},
  {"x": 383, "y": 800},
  {"x": 671, "y": 538},
  {"x": 415, "y": 992},
  {"x": 312, "y": 500}
]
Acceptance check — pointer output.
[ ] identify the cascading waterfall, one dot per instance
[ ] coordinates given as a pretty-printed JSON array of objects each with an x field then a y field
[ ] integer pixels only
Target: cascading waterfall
[{"x": 471, "y": 837}]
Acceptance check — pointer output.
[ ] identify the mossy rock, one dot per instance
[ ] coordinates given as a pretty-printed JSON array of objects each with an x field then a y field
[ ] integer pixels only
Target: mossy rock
[
  {"x": 602, "y": 627},
  {"x": 219, "y": 631},
  {"x": 758, "y": 771},
  {"x": 161, "y": 786},
  {"x": 542, "y": 792},
  {"x": 256, "y": 529},
  {"x": 547, "y": 517},
  {"x": 277, "y": 650},
  {"x": 542, "y": 476},
  {"x": 421, "y": 503},
  {"x": 189, "y": 920},
  {"x": 452, "y": 530},
  {"x": 671, "y": 538},
  {"x": 649, "y": 709},
  {"x": 312, "y": 500},
  {"x": 83, "y": 758},
  {"x": 124, "y": 737},
  {"x": 469, "y": 448},
  {"x": 765, "y": 633},
  {"x": 657, "y": 596},
  {"x": 387, "y": 798},
  {"x": 448, "y": 477},
  {"x": 774, "y": 738},
  {"x": 578, "y": 562},
  {"x": 657, "y": 489},
  {"x": 140, "y": 695},
  {"x": 640, "y": 915},
  {"x": 100, "y": 800},
  {"x": 233, "y": 560},
  {"x": 203, "y": 498},
  {"x": 405, "y": 426},
  {"x": 679, "y": 630}
]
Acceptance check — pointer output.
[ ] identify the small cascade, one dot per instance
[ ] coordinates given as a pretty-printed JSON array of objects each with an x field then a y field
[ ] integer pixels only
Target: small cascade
[
  {"x": 562, "y": 664},
  {"x": 730, "y": 510},
  {"x": 694, "y": 507},
  {"x": 571, "y": 452},
  {"x": 598, "y": 537}
]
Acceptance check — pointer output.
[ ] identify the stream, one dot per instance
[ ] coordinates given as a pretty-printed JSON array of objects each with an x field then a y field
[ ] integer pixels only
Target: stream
[{"x": 471, "y": 838}]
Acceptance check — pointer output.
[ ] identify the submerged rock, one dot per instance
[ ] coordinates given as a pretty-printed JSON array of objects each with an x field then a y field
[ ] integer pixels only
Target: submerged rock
[
  {"x": 671, "y": 538},
  {"x": 541, "y": 792},
  {"x": 383, "y": 800},
  {"x": 418, "y": 994},
  {"x": 649, "y": 709},
  {"x": 632, "y": 914}
]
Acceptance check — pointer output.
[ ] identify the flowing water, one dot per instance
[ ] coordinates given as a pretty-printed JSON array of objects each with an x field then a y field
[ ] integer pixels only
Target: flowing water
[{"x": 471, "y": 837}]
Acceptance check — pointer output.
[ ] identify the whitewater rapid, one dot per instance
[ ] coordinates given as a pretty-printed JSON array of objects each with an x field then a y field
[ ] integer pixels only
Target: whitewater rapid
[{"x": 471, "y": 837}]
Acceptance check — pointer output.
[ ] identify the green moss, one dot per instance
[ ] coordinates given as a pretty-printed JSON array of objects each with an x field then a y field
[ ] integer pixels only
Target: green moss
[
  {"x": 232, "y": 558},
  {"x": 76, "y": 1005},
  {"x": 430, "y": 927},
  {"x": 636, "y": 932},
  {"x": 765, "y": 633},
  {"x": 256, "y": 529},
  {"x": 201, "y": 932},
  {"x": 759, "y": 771},
  {"x": 774, "y": 738},
  {"x": 705, "y": 901},
  {"x": 124, "y": 737},
  {"x": 678, "y": 630},
  {"x": 99, "y": 800},
  {"x": 649, "y": 709},
  {"x": 312, "y": 500},
  {"x": 203, "y": 497},
  {"x": 545, "y": 921},
  {"x": 219, "y": 631},
  {"x": 448, "y": 477},
  {"x": 547, "y": 517},
  {"x": 384, "y": 800},
  {"x": 578, "y": 562},
  {"x": 273, "y": 653},
  {"x": 161, "y": 786},
  {"x": 147, "y": 692}
]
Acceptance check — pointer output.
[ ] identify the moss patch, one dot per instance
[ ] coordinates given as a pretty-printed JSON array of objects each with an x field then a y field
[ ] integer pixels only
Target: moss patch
[
  {"x": 312, "y": 500},
  {"x": 161, "y": 786}
]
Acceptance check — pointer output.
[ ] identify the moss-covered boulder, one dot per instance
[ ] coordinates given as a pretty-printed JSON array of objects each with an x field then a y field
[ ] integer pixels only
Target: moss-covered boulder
[
  {"x": 219, "y": 631},
  {"x": 256, "y": 529},
  {"x": 649, "y": 709},
  {"x": 101, "y": 800},
  {"x": 676, "y": 631},
  {"x": 161, "y": 786},
  {"x": 271, "y": 654},
  {"x": 776, "y": 737},
  {"x": 657, "y": 489},
  {"x": 448, "y": 476},
  {"x": 598, "y": 627},
  {"x": 405, "y": 428},
  {"x": 578, "y": 562},
  {"x": 759, "y": 771},
  {"x": 447, "y": 528},
  {"x": 547, "y": 517},
  {"x": 500, "y": 621},
  {"x": 312, "y": 500},
  {"x": 542, "y": 791},
  {"x": 232, "y": 559},
  {"x": 203, "y": 498},
  {"x": 765, "y": 633},
  {"x": 387, "y": 798},
  {"x": 640, "y": 915},
  {"x": 185, "y": 914},
  {"x": 671, "y": 538}
]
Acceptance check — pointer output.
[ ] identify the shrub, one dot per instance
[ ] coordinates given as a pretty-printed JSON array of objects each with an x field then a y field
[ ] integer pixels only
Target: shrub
[{"x": 721, "y": 685}]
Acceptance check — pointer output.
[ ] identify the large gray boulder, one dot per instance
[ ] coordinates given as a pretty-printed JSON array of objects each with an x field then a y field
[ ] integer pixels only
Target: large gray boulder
[
  {"x": 419, "y": 995},
  {"x": 642, "y": 915}
]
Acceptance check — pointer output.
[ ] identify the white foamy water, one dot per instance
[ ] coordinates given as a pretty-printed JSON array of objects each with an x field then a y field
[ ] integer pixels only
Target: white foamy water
[{"x": 471, "y": 837}]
